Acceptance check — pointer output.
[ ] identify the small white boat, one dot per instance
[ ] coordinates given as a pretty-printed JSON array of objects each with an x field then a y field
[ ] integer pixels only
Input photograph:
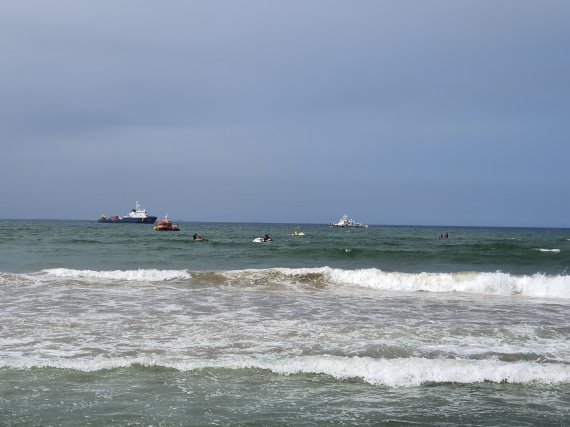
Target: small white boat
[
  {"x": 297, "y": 233},
  {"x": 346, "y": 222}
]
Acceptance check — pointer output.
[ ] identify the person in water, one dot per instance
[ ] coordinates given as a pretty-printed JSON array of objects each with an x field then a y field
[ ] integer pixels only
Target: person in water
[
  {"x": 266, "y": 238},
  {"x": 195, "y": 236}
]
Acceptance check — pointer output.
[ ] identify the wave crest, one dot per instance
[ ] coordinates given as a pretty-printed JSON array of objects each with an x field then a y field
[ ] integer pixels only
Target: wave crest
[
  {"x": 404, "y": 372},
  {"x": 538, "y": 285},
  {"x": 498, "y": 283},
  {"x": 140, "y": 275}
]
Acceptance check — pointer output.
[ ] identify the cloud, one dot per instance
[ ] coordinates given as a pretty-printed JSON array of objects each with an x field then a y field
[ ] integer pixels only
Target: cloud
[{"x": 333, "y": 103}]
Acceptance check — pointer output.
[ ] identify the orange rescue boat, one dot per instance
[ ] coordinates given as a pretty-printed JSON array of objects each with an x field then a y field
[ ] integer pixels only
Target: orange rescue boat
[{"x": 166, "y": 225}]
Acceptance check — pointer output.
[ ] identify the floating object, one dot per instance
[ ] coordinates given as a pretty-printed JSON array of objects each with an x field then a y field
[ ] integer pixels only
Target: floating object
[
  {"x": 345, "y": 222},
  {"x": 166, "y": 225},
  {"x": 137, "y": 215}
]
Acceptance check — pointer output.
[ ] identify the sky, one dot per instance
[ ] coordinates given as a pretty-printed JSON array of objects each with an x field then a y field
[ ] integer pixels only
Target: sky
[{"x": 414, "y": 112}]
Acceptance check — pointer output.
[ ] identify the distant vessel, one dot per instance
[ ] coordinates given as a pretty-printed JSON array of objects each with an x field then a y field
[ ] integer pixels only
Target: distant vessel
[
  {"x": 347, "y": 222},
  {"x": 137, "y": 215},
  {"x": 166, "y": 225}
]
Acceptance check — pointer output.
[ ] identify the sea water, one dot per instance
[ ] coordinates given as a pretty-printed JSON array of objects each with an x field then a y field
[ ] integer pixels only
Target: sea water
[{"x": 117, "y": 324}]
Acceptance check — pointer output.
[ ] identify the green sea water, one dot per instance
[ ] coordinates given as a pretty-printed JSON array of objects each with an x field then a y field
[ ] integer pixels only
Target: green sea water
[
  {"x": 117, "y": 324},
  {"x": 27, "y": 246}
]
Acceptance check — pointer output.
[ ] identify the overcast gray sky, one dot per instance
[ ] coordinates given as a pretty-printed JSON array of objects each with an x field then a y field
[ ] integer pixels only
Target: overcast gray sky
[{"x": 408, "y": 112}]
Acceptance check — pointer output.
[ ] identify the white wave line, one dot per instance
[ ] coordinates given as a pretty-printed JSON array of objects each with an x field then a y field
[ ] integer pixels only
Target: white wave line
[{"x": 403, "y": 372}]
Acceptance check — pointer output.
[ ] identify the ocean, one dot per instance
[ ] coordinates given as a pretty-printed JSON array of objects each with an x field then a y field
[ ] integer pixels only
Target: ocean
[{"x": 117, "y": 324}]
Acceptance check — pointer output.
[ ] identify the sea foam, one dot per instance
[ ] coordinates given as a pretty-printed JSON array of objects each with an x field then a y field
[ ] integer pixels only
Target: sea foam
[
  {"x": 409, "y": 372},
  {"x": 403, "y": 372},
  {"x": 140, "y": 275},
  {"x": 538, "y": 285},
  {"x": 497, "y": 283}
]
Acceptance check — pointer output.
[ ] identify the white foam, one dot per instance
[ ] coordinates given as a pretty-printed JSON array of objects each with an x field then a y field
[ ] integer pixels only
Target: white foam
[
  {"x": 416, "y": 371},
  {"x": 140, "y": 275},
  {"x": 498, "y": 283},
  {"x": 14, "y": 279},
  {"x": 549, "y": 250},
  {"x": 538, "y": 285},
  {"x": 403, "y": 372}
]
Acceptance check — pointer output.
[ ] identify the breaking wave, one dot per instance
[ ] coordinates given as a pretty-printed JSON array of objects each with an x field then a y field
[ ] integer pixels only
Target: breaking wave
[
  {"x": 538, "y": 285},
  {"x": 497, "y": 283},
  {"x": 404, "y": 372},
  {"x": 141, "y": 275}
]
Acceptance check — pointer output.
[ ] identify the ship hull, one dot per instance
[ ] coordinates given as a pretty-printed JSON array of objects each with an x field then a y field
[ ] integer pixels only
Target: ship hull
[{"x": 147, "y": 220}]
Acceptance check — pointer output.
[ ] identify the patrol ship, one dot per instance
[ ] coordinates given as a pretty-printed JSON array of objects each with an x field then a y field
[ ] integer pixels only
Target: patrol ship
[
  {"x": 347, "y": 222},
  {"x": 137, "y": 215}
]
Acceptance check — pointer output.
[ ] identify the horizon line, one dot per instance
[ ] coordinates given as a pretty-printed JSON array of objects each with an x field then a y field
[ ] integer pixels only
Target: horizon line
[{"x": 308, "y": 223}]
